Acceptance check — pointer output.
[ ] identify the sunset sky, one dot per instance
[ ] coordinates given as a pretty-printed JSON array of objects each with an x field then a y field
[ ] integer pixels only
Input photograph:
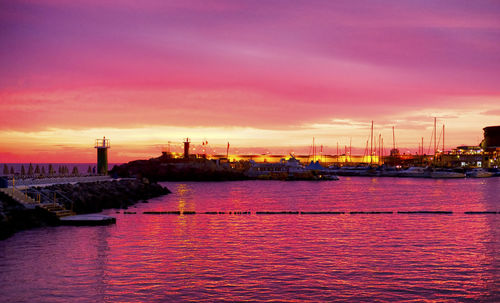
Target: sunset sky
[{"x": 263, "y": 75}]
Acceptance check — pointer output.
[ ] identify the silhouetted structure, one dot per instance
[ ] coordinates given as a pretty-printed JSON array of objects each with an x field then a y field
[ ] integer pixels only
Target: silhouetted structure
[
  {"x": 491, "y": 137},
  {"x": 102, "y": 146},
  {"x": 186, "y": 148}
]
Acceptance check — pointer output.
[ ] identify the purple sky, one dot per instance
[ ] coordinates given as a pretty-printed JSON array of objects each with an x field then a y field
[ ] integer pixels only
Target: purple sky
[{"x": 258, "y": 73}]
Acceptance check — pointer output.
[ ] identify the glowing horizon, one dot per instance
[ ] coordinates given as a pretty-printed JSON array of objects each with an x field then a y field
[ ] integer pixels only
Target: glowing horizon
[{"x": 264, "y": 77}]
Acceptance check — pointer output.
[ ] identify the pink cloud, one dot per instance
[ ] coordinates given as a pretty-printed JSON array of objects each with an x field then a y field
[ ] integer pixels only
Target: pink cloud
[{"x": 493, "y": 112}]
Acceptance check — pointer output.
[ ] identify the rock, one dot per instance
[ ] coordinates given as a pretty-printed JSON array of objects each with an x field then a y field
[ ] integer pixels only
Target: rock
[{"x": 95, "y": 196}]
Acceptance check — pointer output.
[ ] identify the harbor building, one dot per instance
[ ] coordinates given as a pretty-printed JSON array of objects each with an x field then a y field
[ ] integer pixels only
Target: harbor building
[{"x": 491, "y": 145}]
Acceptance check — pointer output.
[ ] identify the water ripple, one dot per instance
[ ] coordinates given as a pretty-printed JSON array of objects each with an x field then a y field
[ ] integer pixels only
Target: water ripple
[{"x": 285, "y": 258}]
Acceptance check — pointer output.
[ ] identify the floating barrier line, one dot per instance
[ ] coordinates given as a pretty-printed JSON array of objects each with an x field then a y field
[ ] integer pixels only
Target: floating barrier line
[
  {"x": 277, "y": 213},
  {"x": 439, "y": 212},
  {"x": 370, "y": 212},
  {"x": 322, "y": 212},
  {"x": 426, "y": 212}
]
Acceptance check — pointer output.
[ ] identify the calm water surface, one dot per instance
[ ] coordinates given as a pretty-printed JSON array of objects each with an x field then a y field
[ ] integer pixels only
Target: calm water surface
[{"x": 377, "y": 257}]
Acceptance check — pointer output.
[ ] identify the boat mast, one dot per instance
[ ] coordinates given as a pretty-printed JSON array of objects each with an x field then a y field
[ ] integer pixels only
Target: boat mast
[
  {"x": 321, "y": 153},
  {"x": 371, "y": 145},
  {"x": 366, "y": 149},
  {"x": 314, "y": 151},
  {"x": 422, "y": 153},
  {"x": 435, "y": 138},
  {"x": 443, "y": 139},
  {"x": 382, "y": 152},
  {"x": 350, "y": 150},
  {"x": 393, "y": 139},
  {"x": 337, "y": 151},
  {"x": 379, "y": 147}
]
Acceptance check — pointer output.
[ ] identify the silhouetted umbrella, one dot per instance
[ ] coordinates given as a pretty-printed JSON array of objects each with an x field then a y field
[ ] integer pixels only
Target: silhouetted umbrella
[
  {"x": 5, "y": 169},
  {"x": 30, "y": 170},
  {"x": 23, "y": 172},
  {"x": 37, "y": 170}
]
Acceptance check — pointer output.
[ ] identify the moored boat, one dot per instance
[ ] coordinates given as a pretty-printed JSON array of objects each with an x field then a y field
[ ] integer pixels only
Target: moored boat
[
  {"x": 479, "y": 173},
  {"x": 446, "y": 174},
  {"x": 414, "y": 172}
]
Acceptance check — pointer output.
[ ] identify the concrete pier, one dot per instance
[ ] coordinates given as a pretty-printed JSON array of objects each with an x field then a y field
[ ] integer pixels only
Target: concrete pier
[{"x": 88, "y": 220}]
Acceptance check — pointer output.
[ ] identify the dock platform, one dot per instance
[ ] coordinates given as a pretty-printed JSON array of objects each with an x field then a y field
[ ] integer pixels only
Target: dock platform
[{"x": 88, "y": 220}]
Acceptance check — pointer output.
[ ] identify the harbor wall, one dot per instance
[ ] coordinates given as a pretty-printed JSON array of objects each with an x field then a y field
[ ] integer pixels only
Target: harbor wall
[{"x": 89, "y": 197}]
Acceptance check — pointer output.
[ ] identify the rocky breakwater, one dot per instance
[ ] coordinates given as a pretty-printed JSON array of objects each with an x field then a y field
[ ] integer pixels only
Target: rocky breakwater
[
  {"x": 15, "y": 217},
  {"x": 81, "y": 198},
  {"x": 95, "y": 196}
]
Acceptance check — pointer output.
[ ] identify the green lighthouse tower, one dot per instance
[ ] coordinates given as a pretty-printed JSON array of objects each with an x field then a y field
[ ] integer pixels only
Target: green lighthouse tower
[{"x": 102, "y": 146}]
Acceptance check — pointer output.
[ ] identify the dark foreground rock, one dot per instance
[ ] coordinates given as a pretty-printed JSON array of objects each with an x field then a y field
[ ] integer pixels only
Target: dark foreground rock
[
  {"x": 82, "y": 198},
  {"x": 14, "y": 217},
  {"x": 95, "y": 196}
]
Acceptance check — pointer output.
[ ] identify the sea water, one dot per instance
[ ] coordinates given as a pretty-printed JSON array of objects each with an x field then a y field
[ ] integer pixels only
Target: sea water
[{"x": 276, "y": 257}]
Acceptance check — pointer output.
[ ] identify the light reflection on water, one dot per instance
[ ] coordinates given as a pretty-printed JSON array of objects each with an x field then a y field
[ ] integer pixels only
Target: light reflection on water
[{"x": 202, "y": 257}]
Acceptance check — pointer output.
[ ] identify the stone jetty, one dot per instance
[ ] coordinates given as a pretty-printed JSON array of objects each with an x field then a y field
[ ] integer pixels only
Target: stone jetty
[
  {"x": 80, "y": 198},
  {"x": 95, "y": 196}
]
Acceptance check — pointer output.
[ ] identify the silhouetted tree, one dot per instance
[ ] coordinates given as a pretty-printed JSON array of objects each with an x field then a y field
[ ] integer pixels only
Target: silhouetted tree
[
  {"x": 30, "y": 170},
  {"x": 5, "y": 169}
]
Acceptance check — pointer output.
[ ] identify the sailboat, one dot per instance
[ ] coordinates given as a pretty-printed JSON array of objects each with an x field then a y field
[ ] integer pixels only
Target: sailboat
[{"x": 442, "y": 173}]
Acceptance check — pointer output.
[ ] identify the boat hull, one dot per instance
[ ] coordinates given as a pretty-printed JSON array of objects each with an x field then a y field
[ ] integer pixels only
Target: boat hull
[{"x": 447, "y": 175}]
